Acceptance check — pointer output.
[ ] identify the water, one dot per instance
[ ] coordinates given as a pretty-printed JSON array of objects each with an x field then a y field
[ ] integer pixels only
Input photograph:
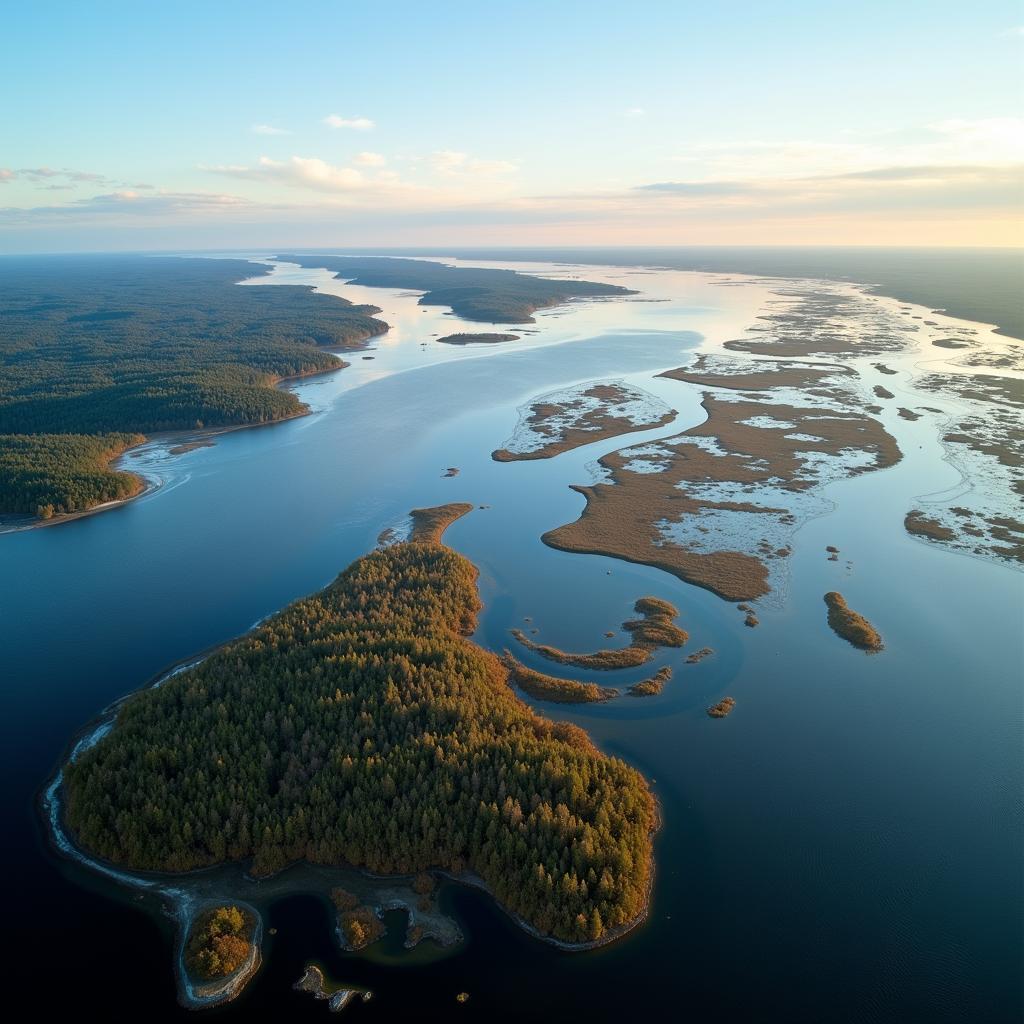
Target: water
[{"x": 846, "y": 846}]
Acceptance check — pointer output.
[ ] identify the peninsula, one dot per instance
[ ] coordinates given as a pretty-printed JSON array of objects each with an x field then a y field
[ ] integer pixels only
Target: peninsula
[
  {"x": 361, "y": 726},
  {"x": 475, "y": 293}
]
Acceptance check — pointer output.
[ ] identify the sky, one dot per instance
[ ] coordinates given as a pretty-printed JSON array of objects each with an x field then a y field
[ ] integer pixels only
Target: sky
[{"x": 569, "y": 122}]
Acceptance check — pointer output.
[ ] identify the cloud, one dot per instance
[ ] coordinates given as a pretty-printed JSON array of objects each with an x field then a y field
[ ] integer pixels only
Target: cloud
[
  {"x": 268, "y": 129},
  {"x": 937, "y": 187},
  {"x": 998, "y": 140},
  {"x": 450, "y": 162},
  {"x": 1016, "y": 30},
  {"x": 698, "y": 188},
  {"x": 991, "y": 138},
  {"x": 313, "y": 173},
  {"x": 635, "y": 112},
  {"x": 6, "y": 175},
  {"x": 40, "y": 174},
  {"x": 369, "y": 159},
  {"x": 307, "y": 172},
  {"x": 360, "y": 124},
  {"x": 126, "y": 203}
]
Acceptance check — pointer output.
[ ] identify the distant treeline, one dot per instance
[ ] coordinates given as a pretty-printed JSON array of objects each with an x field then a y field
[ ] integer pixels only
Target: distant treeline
[
  {"x": 972, "y": 283},
  {"x": 361, "y": 726},
  {"x": 475, "y": 293},
  {"x": 92, "y": 345}
]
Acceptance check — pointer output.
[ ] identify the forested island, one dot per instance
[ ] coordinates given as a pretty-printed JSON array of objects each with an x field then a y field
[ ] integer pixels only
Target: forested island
[
  {"x": 97, "y": 346},
  {"x": 361, "y": 726},
  {"x": 475, "y": 293}
]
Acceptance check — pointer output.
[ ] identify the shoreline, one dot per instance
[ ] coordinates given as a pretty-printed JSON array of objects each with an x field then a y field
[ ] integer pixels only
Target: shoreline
[
  {"x": 195, "y": 995},
  {"x": 182, "y": 901},
  {"x": 20, "y": 522}
]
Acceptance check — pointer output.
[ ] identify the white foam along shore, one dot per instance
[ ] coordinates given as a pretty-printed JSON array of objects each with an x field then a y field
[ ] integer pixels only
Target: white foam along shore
[{"x": 178, "y": 902}]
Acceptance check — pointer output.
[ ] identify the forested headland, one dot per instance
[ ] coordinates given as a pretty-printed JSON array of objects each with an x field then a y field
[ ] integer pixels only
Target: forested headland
[
  {"x": 361, "y": 726},
  {"x": 98, "y": 345},
  {"x": 483, "y": 294},
  {"x": 53, "y": 474}
]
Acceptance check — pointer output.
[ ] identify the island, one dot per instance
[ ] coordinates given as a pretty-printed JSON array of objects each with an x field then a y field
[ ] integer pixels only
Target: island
[
  {"x": 566, "y": 419},
  {"x": 553, "y": 688},
  {"x": 722, "y": 709},
  {"x": 221, "y": 954},
  {"x": 363, "y": 727},
  {"x": 652, "y": 630},
  {"x": 850, "y": 625},
  {"x": 477, "y": 339},
  {"x": 314, "y": 983},
  {"x": 653, "y": 686},
  {"x": 686, "y": 503}
]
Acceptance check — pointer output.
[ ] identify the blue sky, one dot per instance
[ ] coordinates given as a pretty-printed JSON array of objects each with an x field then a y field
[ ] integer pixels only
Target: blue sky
[{"x": 221, "y": 124}]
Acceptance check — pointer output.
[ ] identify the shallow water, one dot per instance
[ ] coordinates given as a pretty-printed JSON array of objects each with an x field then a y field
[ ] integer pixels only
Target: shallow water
[{"x": 845, "y": 846}]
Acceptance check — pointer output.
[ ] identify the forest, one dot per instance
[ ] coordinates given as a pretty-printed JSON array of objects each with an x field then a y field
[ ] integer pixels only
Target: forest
[
  {"x": 361, "y": 726},
  {"x": 54, "y": 474},
  {"x": 219, "y": 943},
  {"x": 475, "y": 293},
  {"x": 93, "y": 345}
]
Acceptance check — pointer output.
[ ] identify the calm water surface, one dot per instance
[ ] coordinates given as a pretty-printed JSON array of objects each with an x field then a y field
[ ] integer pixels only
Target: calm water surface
[{"x": 845, "y": 847}]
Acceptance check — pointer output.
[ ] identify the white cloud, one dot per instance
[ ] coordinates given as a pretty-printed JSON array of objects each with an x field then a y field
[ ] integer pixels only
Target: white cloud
[
  {"x": 268, "y": 129},
  {"x": 369, "y": 159},
  {"x": 998, "y": 139},
  {"x": 126, "y": 203},
  {"x": 360, "y": 124},
  {"x": 635, "y": 112},
  {"x": 951, "y": 142},
  {"x": 1016, "y": 30},
  {"x": 41, "y": 174},
  {"x": 445, "y": 161},
  {"x": 450, "y": 162},
  {"x": 299, "y": 171}
]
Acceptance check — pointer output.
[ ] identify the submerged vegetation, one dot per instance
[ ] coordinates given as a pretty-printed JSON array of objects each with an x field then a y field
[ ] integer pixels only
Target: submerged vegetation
[
  {"x": 219, "y": 943},
  {"x": 362, "y": 726},
  {"x": 851, "y": 626},
  {"x": 92, "y": 345}
]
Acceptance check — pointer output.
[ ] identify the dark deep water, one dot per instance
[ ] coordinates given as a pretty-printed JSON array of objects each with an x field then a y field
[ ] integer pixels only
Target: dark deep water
[{"x": 845, "y": 847}]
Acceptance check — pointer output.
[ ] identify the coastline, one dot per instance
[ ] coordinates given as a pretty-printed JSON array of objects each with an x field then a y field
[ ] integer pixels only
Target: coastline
[
  {"x": 17, "y": 523},
  {"x": 182, "y": 901}
]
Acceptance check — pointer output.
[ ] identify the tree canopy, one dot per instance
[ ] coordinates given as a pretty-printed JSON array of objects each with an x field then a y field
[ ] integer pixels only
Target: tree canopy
[
  {"x": 361, "y": 726},
  {"x": 93, "y": 345}
]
